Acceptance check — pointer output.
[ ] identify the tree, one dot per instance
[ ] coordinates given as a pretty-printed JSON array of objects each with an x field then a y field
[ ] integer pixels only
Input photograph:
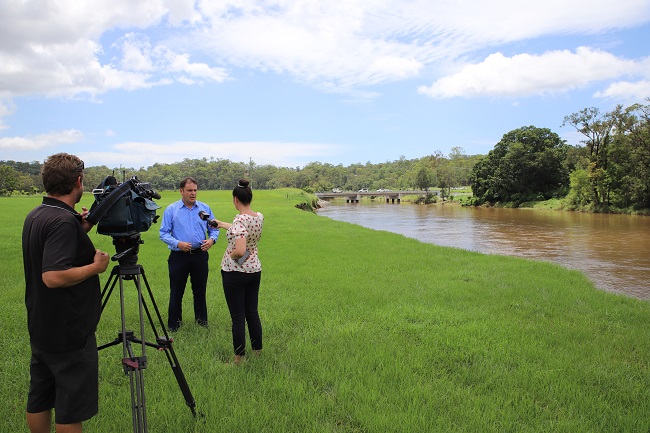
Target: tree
[
  {"x": 446, "y": 179},
  {"x": 580, "y": 191},
  {"x": 526, "y": 165},
  {"x": 617, "y": 162},
  {"x": 424, "y": 178},
  {"x": 9, "y": 179},
  {"x": 629, "y": 158},
  {"x": 597, "y": 128}
]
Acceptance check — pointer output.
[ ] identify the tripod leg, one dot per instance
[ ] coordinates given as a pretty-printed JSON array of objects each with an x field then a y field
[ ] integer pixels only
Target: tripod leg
[
  {"x": 166, "y": 344},
  {"x": 134, "y": 366},
  {"x": 110, "y": 285},
  {"x": 136, "y": 382},
  {"x": 139, "y": 373}
]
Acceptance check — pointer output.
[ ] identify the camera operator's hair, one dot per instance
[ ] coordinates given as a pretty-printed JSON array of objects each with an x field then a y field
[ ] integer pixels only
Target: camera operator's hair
[
  {"x": 243, "y": 192},
  {"x": 60, "y": 172},
  {"x": 189, "y": 180}
]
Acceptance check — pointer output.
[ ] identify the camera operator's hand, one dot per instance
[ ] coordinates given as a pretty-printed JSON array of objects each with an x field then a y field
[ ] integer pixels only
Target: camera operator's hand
[
  {"x": 84, "y": 223},
  {"x": 101, "y": 260}
]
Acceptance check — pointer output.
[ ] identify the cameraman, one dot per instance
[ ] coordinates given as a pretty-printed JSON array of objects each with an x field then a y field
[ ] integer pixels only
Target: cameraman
[
  {"x": 63, "y": 301},
  {"x": 184, "y": 232}
]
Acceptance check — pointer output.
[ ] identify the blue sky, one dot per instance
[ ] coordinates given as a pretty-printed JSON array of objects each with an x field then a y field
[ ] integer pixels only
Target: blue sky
[{"x": 124, "y": 83}]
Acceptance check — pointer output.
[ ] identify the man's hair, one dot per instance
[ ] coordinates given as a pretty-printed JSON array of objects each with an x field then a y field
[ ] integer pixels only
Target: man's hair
[
  {"x": 188, "y": 180},
  {"x": 60, "y": 172}
]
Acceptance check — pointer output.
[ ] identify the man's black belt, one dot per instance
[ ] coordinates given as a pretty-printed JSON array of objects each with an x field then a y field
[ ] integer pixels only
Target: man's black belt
[{"x": 194, "y": 251}]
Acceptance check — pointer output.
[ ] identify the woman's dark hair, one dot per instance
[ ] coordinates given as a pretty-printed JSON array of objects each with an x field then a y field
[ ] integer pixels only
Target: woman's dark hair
[{"x": 243, "y": 192}]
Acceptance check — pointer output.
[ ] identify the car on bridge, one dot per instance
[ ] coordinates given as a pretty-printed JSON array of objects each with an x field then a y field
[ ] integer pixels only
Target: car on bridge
[
  {"x": 363, "y": 190},
  {"x": 337, "y": 190}
]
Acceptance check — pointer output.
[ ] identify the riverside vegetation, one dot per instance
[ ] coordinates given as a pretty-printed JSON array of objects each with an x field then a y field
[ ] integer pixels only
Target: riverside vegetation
[{"x": 365, "y": 331}]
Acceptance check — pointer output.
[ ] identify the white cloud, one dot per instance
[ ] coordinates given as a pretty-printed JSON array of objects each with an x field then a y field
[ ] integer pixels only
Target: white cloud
[
  {"x": 346, "y": 44},
  {"x": 41, "y": 141},
  {"x": 65, "y": 49},
  {"x": 626, "y": 91},
  {"x": 181, "y": 11},
  {"x": 180, "y": 63},
  {"x": 136, "y": 53},
  {"x": 7, "y": 108},
  {"x": 525, "y": 74},
  {"x": 53, "y": 47},
  {"x": 142, "y": 154}
]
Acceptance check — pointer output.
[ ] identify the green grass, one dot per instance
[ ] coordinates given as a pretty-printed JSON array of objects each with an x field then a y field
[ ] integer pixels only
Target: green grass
[{"x": 366, "y": 331}]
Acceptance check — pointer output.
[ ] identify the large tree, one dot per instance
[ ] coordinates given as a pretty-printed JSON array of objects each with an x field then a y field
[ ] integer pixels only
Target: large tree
[
  {"x": 597, "y": 128},
  {"x": 527, "y": 164},
  {"x": 628, "y": 170}
]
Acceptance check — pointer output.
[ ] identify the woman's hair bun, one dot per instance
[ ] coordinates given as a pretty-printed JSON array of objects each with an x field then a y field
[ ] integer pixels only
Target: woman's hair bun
[{"x": 243, "y": 183}]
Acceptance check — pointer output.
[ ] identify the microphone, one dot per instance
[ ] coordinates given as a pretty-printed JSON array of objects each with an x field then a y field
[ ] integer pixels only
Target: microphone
[{"x": 205, "y": 217}]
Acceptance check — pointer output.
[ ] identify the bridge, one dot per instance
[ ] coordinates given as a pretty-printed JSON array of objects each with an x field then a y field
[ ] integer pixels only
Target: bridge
[{"x": 355, "y": 196}]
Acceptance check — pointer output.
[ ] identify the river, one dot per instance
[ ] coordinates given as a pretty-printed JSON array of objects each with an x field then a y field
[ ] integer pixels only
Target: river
[{"x": 612, "y": 250}]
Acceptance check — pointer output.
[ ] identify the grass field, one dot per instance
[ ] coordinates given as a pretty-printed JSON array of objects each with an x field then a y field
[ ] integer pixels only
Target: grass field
[{"x": 365, "y": 331}]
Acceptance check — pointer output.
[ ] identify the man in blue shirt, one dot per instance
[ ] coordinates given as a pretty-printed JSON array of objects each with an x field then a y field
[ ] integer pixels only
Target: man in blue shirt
[{"x": 184, "y": 231}]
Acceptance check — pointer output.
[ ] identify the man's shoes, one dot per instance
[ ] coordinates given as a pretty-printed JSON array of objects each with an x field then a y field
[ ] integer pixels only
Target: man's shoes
[{"x": 175, "y": 327}]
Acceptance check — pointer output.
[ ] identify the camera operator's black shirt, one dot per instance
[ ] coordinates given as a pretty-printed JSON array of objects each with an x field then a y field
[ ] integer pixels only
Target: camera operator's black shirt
[{"x": 58, "y": 319}]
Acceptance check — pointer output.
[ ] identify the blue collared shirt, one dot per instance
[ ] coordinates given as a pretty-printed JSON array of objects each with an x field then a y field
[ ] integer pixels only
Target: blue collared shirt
[{"x": 183, "y": 224}]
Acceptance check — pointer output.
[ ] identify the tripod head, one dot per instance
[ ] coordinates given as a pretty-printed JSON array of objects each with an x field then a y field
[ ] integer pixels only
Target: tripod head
[{"x": 127, "y": 248}]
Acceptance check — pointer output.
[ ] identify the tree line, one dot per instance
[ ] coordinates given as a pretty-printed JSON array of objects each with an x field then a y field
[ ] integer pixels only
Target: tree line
[
  {"x": 215, "y": 174},
  {"x": 609, "y": 171}
]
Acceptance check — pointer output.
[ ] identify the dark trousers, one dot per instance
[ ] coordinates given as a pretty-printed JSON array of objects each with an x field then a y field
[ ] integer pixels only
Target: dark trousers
[
  {"x": 242, "y": 291},
  {"x": 181, "y": 265}
]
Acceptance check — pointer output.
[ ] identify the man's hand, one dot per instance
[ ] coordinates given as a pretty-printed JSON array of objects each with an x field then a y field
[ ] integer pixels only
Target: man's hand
[
  {"x": 207, "y": 244},
  {"x": 185, "y": 246}
]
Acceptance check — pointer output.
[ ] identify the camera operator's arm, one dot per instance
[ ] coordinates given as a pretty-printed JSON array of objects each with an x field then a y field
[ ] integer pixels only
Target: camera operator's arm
[{"x": 72, "y": 276}]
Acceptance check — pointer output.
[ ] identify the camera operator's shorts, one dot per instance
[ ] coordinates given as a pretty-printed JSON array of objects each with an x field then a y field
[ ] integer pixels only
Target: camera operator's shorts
[{"x": 65, "y": 381}]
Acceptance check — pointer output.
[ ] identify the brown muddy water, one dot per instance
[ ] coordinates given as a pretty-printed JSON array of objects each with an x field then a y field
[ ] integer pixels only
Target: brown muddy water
[{"x": 612, "y": 250}]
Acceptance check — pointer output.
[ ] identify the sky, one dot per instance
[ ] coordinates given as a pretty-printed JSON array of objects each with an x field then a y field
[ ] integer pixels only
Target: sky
[{"x": 126, "y": 83}]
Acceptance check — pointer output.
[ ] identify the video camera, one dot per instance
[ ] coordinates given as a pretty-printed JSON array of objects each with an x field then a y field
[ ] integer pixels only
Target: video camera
[{"x": 123, "y": 209}]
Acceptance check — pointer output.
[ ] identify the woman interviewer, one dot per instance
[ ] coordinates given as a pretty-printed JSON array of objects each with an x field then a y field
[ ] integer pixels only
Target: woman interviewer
[{"x": 241, "y": 271}]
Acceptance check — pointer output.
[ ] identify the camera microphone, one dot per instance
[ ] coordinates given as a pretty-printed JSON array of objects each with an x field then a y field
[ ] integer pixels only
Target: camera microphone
[
  {"x": 153, "y": 194},
  {"x": 205, "y": 217}
]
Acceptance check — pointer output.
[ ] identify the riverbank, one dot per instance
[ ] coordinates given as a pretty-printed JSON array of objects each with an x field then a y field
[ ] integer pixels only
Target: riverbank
[
  {"x": 463, "y": 198},
  {"x": 368, "y": 331}
]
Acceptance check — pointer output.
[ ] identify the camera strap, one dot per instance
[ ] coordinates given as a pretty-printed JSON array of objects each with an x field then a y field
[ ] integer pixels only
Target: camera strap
[
  {"x": 99, "y": 209},
  {"x": 72, "y": 212}
]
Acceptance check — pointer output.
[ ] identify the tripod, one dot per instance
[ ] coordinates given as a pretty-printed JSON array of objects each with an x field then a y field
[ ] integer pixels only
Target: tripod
[{"x": 134, "y": 365}]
